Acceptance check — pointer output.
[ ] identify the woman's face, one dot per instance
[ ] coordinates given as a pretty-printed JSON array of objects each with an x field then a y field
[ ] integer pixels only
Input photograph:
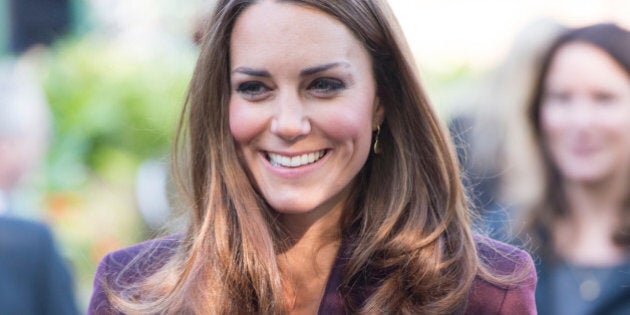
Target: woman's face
[
  {"x": 585, "y": 114},
  {"x": 302, "y": 106}
]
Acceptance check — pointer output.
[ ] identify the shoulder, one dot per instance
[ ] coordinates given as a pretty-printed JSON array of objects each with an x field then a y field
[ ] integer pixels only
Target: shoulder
[
  {"x": 512, "y": 292},
  {"x": 21, "y": 236},
  {"x": 32, "y": 270},
  {"x": 133, "y": 262},
  {"x": 502, "y": 258},
  {"x": 141, "y": 255},
  {"x": 21, "y": 226},
  {"x": 127, "y": 266}
]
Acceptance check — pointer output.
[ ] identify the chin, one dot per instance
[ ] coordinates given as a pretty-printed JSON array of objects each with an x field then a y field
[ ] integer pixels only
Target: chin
[
  {"x": 290, "y": 206},
  {"x": 586, "y": 170},
  {"x": 586, "y": 177}
]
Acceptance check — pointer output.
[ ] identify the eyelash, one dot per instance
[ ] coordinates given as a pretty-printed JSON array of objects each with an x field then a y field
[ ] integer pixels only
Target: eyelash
[
  {"x": 558, "y": 96},
  {"x": 252, "y": 88},
  {"x": 604, "y": 97},
  {"x": 565, "y": 98},
  {"x": 330, "y": 86},
  {"x": 322, "y": 87}
]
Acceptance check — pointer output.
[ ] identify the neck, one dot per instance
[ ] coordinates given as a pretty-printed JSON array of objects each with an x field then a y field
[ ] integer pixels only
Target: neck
[
  {"x": 596, "y": 200},
  {"x": 310, "y": 232},
  {"x": 306, "y": 262},
  {"x": 318, "y": 226},
  {"x": 585, "y": 235}
]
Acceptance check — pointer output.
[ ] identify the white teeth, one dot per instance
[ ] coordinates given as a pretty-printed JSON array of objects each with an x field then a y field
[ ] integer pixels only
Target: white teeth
[
  {"x": 295, "y": 161},
  {"x": 285, "y": 160}
]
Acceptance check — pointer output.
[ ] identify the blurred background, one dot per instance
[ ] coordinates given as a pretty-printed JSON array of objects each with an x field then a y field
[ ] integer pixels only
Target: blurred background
[{"x": 114, "y": 75}]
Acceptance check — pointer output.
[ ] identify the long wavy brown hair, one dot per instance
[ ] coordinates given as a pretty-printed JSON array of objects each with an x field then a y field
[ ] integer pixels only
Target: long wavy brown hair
[
  {"x": 551, "y": 205},
  {"x": 406, "y": 219}
]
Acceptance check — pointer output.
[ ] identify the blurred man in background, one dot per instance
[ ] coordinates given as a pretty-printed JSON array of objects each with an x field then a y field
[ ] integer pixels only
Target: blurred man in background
[{"x": 34, "y": 279}]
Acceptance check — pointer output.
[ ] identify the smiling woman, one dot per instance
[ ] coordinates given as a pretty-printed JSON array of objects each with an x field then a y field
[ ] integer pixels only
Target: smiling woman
[
  {"x": 319, "y": 100},
  {"x": 319, "y": 181}
]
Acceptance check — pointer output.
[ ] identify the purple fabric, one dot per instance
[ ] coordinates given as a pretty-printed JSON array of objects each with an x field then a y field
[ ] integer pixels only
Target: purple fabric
[
  {"x": 126, "y": 266},
  {"x": 120, "y": 268},
  {"x": 488, "y": 298}
]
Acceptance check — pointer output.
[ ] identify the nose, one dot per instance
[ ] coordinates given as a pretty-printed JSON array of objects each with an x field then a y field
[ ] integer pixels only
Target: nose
[
  {"x": 583, "y": 114},
  {"x": 290, "y": 121}
]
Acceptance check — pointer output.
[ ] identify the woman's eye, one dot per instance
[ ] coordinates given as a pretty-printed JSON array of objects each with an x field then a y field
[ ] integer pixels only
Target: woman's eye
[
  {"x": 326, "y": 86},
  {"x": 252, "y": 88},
  {"x": 558, "y": 97},
  {"x": 603, "y": 97}
]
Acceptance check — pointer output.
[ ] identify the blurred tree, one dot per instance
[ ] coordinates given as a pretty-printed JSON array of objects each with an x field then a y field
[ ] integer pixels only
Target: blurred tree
[{"x": 111, "y": 110}]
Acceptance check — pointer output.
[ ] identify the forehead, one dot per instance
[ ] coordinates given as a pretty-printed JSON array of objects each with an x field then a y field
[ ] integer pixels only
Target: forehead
[
  {"x": 295, "y": 28},
  {"x": 583, "y": 61}
]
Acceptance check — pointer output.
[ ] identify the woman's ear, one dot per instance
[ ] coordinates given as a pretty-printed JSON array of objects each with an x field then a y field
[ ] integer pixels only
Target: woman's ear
[{"x": 379, "y": 113}]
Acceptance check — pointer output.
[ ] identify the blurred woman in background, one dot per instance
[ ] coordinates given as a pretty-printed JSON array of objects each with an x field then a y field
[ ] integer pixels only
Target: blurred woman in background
[{"x": 580, "y": 226}]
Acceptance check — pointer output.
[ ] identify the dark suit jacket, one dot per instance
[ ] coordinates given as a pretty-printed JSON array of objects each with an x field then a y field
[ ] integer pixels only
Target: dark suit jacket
[
  {"x": 117, "y": 269},
  {"x": 33, "y": 277}
]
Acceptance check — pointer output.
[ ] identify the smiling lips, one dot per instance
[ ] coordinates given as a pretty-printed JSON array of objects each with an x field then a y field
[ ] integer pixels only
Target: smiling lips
[{"x": 280, "y": 160}]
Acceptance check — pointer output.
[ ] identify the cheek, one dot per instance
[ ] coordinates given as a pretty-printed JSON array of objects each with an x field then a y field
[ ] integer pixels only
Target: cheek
[
  {"x": 552, "y": 127},
  {"x": 618, "y": 126},
  {"x": 350, "y": 123},
  {"x": 618, "y": 119},
  {"x": 245, "y": 122},
  {"x": 344, "y": 127},
  {"x": 552, "y": 121},
  {"x": 612, "y": 124}
]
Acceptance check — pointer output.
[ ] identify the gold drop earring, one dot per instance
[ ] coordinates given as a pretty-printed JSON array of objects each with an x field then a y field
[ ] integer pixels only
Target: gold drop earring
[{"x": 377, "y": 146}]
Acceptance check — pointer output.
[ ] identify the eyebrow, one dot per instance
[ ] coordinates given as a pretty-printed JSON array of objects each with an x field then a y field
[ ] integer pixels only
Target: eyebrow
[
  {"x": 316, "y": 69},
  {"x": 303, "y": 73},
  {"x": 253, "y": 72}
]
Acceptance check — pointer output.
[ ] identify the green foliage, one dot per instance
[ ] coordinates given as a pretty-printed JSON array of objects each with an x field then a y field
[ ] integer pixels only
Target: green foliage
[{"x": 112, "y": 108}]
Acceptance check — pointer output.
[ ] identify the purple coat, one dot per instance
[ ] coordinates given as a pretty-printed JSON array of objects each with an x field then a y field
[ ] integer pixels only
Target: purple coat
[{"x": 118, "y": 269}]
